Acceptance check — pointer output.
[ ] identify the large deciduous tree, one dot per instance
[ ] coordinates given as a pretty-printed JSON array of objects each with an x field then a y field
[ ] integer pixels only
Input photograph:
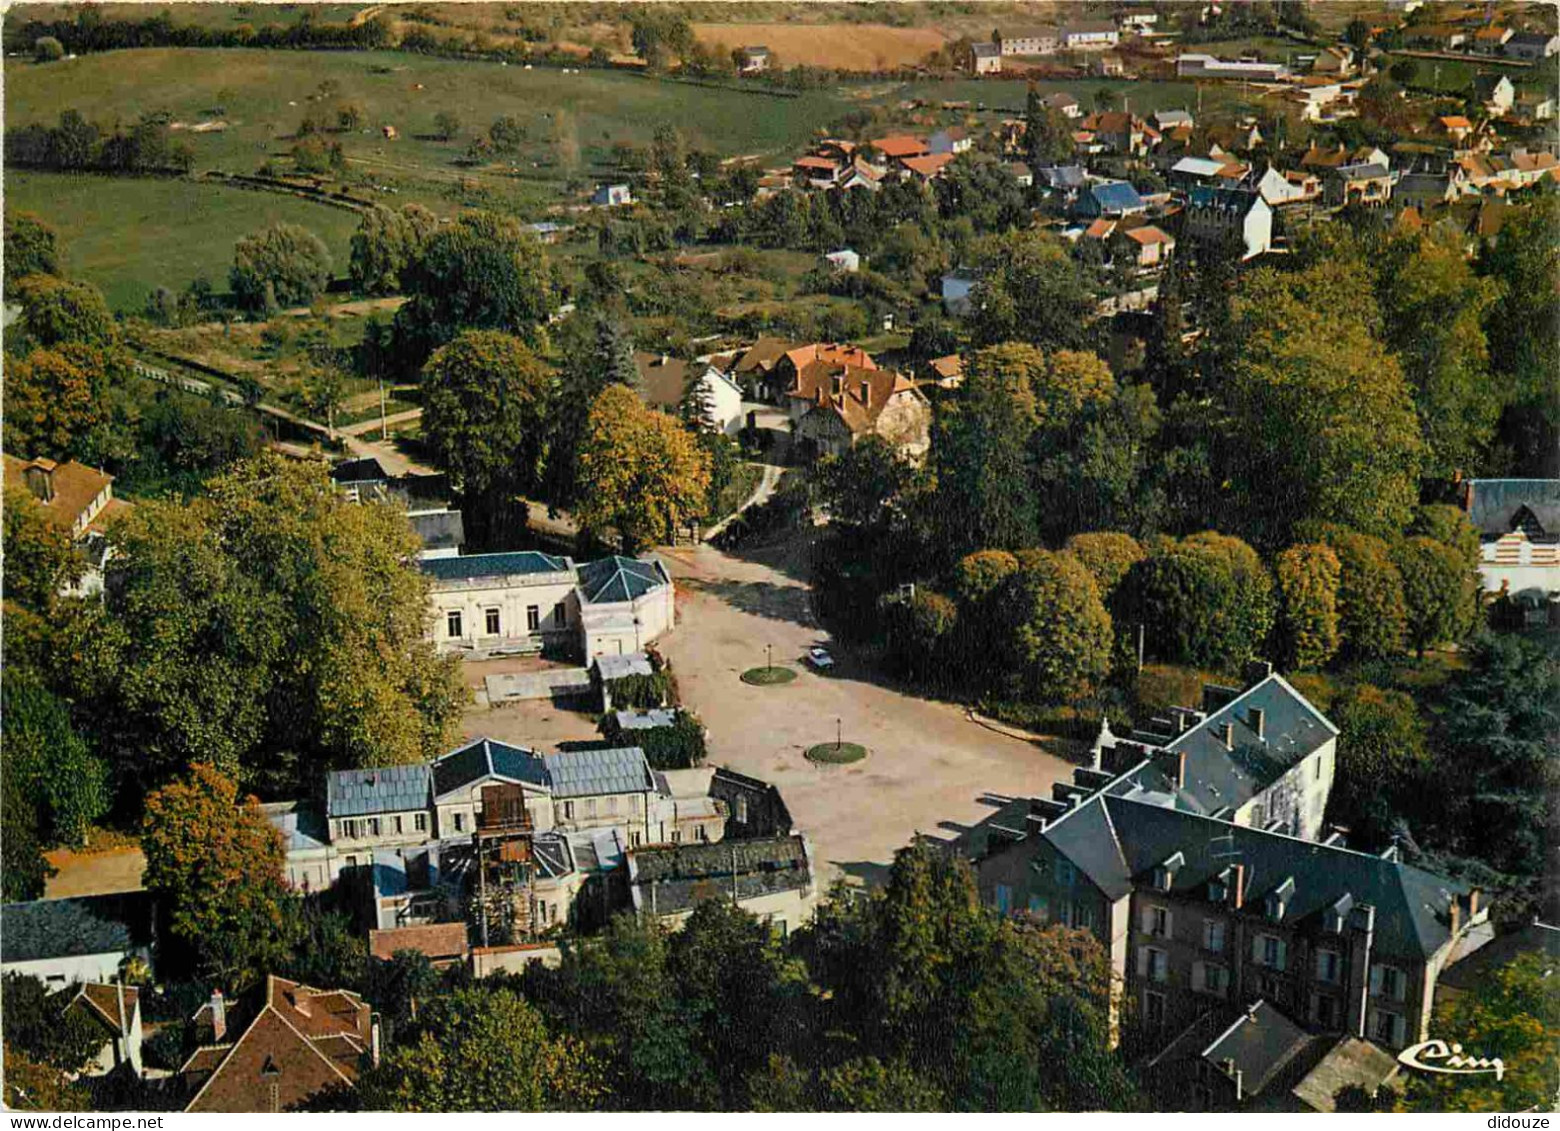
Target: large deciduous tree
[
  {"x": 273, "y": 628},
  {"x": 1031, "y": 290},
  {"x": 1372, "y": 614},
  {"x": 1509, "y": 1014},
  {"x": 1107, "y": 554},
  {"x": 58, "y": 402},
  {"x": 59, "y": 311},
  {"x": 1322, "y": 423},
  {"x": 641, "y": 474},
  {"x": 1382, "y": 755},
  {"x": 1205, "y": 600},
  {"x": 485, "y": 403},
  {"x": 386, "y": 242},
  {"x": 483, "y": 272},
  {"x": 1434, "y": 307},
  {"x": 1440, "y": 592},
  {"x": 216, "y": 864},
  {"x": 285, "y": 265}
]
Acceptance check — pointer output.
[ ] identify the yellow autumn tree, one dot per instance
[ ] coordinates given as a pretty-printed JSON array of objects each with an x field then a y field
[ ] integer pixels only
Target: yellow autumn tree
[{"x": 640, "y": 473}]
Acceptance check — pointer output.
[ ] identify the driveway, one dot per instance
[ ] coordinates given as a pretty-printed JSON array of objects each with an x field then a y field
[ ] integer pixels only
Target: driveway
[{"x": 929, "y": 769}]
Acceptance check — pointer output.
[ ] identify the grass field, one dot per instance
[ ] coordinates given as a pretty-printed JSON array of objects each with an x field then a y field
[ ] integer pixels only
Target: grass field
[
  {"x": 571, "y": 120},
  {"x": 129, "y": 236}
]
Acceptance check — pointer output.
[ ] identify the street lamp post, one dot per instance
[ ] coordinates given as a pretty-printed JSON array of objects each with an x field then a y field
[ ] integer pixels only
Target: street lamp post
[
  {"x": 839, "y": 735},
  {"x": 768, "y": 658}
]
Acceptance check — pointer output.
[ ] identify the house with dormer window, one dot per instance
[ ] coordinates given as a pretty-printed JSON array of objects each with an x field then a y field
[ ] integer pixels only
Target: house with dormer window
[{"x": 1192, "y": 852}]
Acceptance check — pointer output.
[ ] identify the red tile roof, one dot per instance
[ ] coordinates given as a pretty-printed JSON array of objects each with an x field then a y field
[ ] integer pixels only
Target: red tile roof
[
  {"x": 436, "y": 940},
  {"x": 927, "y": 167},
  {"x": 901, "y": 145},
  {"x": 301, "y": 1041}
]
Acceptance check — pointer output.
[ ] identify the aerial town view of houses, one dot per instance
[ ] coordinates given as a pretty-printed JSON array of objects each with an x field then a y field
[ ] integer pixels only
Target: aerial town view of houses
[{"x": 781, "y": 556}]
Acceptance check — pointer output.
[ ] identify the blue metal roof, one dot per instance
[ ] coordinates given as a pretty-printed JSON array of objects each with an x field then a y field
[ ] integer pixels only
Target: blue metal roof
[
  {"x": 617, "y": 579},
  {"x": 1116, "y": 196},
  {"x": 587, "y": 773},
  {"x": 390, "y": 789},
  {"x": 492, "y": 565}
]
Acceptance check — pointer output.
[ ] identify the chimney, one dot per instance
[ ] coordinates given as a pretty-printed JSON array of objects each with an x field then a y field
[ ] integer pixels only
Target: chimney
[
  {"x": 1454, "y": 914},
  {"x": 1258, "y": 719},
  {"x": 1227, "y": 735},
  {"x": 373, "y": 1041},
  {"x": 1475, "y": 898},
  {"x": 1237, "y": 886},
  {"x": 218, "y": 1017}
]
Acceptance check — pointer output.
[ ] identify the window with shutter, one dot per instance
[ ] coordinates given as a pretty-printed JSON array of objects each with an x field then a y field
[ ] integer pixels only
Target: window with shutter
[
  {"x": 1004, "y": 898},
  {"x": 1375, "y": 979},
  {"x": 1281, "y": 955},
  {"x": 1213, "y": 935}
]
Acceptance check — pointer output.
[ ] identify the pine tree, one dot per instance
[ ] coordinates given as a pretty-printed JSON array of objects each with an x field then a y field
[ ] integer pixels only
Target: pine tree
[{"x": 697, "y": 407}]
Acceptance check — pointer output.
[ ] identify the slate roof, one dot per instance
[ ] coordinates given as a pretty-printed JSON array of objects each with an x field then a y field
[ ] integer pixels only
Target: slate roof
[
  {"x": 1218, "y": 778},
  {"x": 985, "y": 50},
  {"x": 647, "y": 720},
  {"x": 1501, "y": 951},
  {"x": 388, "y": 789},
  {"x": 68, "y": 928},
  {"x": 1239, "y": 201},
  {"x": 1261, "y": 1041},
  {"x": 1411, "y": 904},
  {"x": 469, "y": 566},
  {"x": 683, "y": 876},
  {"x": 617, "y": 579},
  {"x": 616, "y": 667},
  {"x": 1349, "y": 1061},
  {"x": 301, "y": 824},
  {"x": 1494, "y": 504},
  {"x": 589, "y": 773},
  {"x": 1364, "y": 172},
  {"x": 486, "y": 757}
]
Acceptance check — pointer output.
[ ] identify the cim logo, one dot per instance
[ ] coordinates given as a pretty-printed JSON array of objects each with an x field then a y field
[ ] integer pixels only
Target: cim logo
[{"x": 1438, "y": 1056}]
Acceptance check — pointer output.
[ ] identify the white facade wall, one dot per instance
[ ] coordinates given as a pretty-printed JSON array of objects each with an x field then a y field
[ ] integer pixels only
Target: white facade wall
[
  {"x": 511, "y": 604},
  {"x": 56, "y": 973}
]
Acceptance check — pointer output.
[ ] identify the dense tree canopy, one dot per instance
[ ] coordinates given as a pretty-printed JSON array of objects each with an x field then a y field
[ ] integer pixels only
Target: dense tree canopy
[
  {"x": 59, "y": 311},
  {"x": 215, "y": 862},
  {"x": 641, "y": 474},
  {"x": 482, "y": 272},
  {"x": 1322, "y": 422},
  {"x": 1206, "y": 600},
  {"x": 485, "y": 398},
  {"x": 1055, "y": 635},
  {"x": 1308, "y": 576},
  {"x": 272, "y": 628},
  {"x": 1031, "y": 290},
  {"x": 31, "y": 248}
]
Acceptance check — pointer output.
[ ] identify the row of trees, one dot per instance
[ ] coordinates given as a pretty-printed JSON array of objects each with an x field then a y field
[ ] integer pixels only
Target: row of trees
[{"x": 79, "y": 145}]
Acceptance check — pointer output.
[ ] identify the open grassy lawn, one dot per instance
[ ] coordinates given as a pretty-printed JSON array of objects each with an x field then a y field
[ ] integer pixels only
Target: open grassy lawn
[
  {"x": 571, "y": 120},
  {"x": 131, "y": 235},
  {"x": 1008, "y": 95}
]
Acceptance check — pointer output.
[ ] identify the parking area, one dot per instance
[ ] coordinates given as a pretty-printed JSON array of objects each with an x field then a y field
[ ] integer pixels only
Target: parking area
[{"x": 929, "y": 768}]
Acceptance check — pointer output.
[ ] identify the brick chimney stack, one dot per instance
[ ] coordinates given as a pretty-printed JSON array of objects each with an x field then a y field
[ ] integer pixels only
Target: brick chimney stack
[{"x": 218, "y": 1016}]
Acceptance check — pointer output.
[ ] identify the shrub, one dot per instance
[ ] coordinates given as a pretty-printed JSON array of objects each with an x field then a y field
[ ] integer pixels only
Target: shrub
[{"x": 47, "y": 49}]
